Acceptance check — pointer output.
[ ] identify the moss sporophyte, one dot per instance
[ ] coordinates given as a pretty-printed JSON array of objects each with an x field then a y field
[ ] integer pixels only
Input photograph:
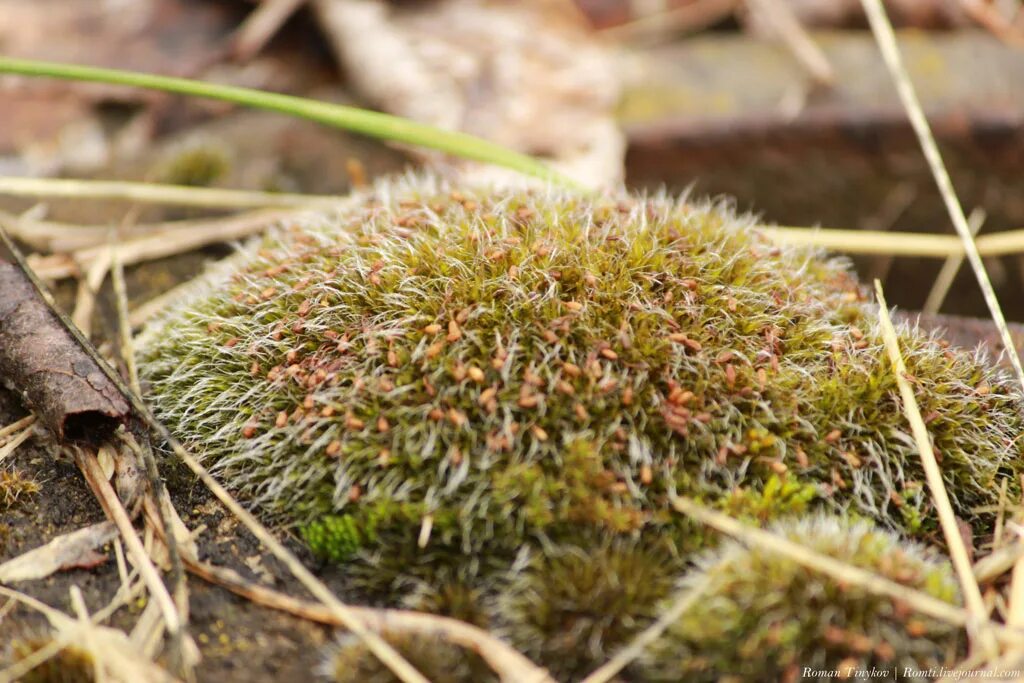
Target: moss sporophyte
[{"x": 449, "y": 390}]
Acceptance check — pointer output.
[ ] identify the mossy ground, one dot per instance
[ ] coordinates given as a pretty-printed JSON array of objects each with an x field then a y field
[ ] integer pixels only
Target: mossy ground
[
  {"x": 448, "y": 388},
  {"x": 764, "y": 617}
]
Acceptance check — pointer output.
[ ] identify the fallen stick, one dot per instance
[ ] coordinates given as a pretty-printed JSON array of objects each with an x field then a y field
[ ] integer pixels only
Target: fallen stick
[{"x": 45, "y": 365}]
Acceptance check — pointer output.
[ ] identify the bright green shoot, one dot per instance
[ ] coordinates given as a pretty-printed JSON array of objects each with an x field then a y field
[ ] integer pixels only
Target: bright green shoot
[{"x": 370, "y": 123}]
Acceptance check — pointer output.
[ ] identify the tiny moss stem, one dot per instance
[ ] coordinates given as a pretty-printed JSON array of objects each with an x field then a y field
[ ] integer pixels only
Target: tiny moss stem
[{"x": 369, "y": 123}]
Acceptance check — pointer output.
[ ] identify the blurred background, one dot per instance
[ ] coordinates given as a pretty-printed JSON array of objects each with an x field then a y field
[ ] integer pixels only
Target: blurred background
[{"x": 784, "y": 105}]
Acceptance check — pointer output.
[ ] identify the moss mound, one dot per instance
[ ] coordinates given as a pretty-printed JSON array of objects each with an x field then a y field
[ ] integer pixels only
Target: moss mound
[
  {"x": 349, "y": 661},
  {"x": 445, "y": 388},
  {"x": 764, "y": 617}
]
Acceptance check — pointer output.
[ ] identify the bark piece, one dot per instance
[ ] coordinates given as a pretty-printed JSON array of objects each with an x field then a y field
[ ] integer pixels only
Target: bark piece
[{"x": 46, "y": 366}]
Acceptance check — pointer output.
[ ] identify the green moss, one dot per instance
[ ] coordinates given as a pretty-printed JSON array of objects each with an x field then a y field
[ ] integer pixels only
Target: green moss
[
  {"x": 199, "y": 163},
  {"x": 350, "y": 661},
  {"x": 764, "y": 617},
  {"x": 435, "y": 386},
  {"x": 573, "y": 608},
  {"x": 780, "y": 497}
]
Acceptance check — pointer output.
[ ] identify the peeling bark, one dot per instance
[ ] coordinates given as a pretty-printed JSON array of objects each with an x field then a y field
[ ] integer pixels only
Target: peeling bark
[{"x": 46, "y": 366}]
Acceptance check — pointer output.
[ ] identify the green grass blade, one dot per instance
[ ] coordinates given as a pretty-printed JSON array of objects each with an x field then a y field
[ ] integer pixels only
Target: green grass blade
[{"x": 370, "y": 123}]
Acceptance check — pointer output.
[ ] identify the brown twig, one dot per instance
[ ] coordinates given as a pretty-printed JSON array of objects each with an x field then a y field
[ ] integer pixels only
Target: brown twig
[{"x": 506, "y": 662}]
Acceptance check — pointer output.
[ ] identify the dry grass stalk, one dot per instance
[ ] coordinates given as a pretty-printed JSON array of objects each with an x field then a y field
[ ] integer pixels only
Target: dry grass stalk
[
  {"x": 998, "y": 562},
  {"x": 886, "y": 39},
  {"x": 109, "y": 648},
  {"x": 1016, "y": 615},
  {"x": 143, "y": 313},
  {"x": 153, "y": 246},
  {"x": 16, "y": 427},
  {"x": 66, "y": 238},
  {"x": 788, "y": 27},
  {"x": 884, "y": 243},
  {"x": 85, "y": 299},
  {"x": 260, "y": 26},
  {"x": 684, "y": 599},
  {"x": 947, "y": 519},
  {"x": 124, "y": 327},
  {"x": 13, "y": 442},
  {"x": 116, "y": 513},
  {"x": 153, "y": 193},
  {"x": 944, "y": 280}
]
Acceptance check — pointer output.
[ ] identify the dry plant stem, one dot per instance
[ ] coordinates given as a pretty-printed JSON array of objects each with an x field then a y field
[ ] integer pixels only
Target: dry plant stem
[
  {"x": 886, "y": 39},
  {"x": 260, "y": 26},
  {"x": 156, "y": 245},
  {"x": 796, "y": 38},
  {"x": 165, "y": 513},
  {"x": 944, "y": 280},
  {"x": 998, "y": 562},
  {"x": 16, "y": 671},
  {"x": 66, "y": 238},
  {"x": 382, "y": 650},
  {"x": 82, "y": 612},
  {"x": 124, "y": 327},
  {"x": 44, "y": 360},
  {"x": 116, "y": 513},
  {"x": 13, "y": 444},
  {"x": 506, "y": 662},
  {"x": 143, "y": 313},
  {"x": 683, "y": 601},
  {"x": 17, "y": 426},
  {"x": 152, "y": 193},
  {"x": 894, "y": 243},
  {"x": 981, "y": 635},
  {"x": 1016, "y": 615},
  {"x": 85, "y": 299},
  {"x": 840, "y": 571}
]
